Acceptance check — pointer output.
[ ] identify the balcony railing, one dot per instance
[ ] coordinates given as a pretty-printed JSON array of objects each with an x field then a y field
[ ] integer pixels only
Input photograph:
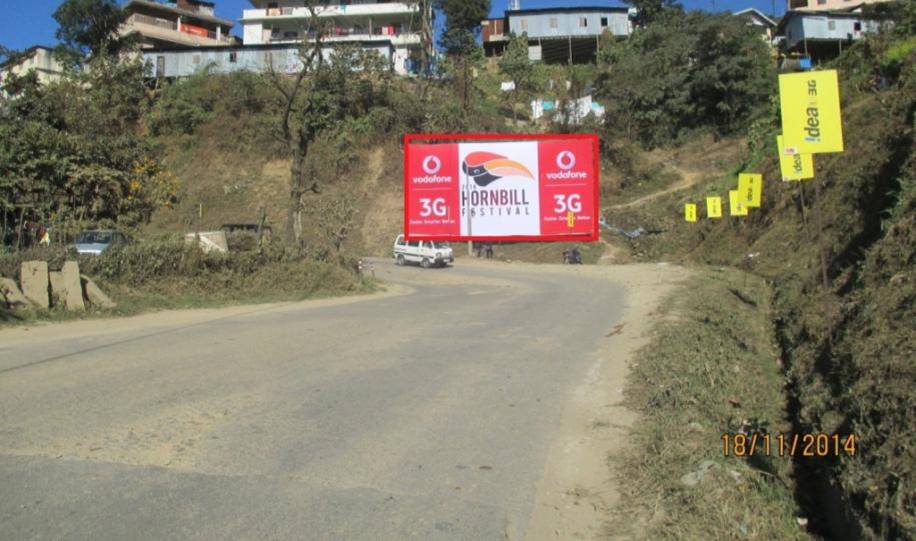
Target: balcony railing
[
  {"x": 363, "y": 33},
  {"x": 388, "y": 8},
  {"x": 146, "y": 19},
  {"x": 166, "y": 24}
]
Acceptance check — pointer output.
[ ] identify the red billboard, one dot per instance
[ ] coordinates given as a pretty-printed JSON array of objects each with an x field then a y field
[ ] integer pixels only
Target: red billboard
[{"x": 501, "y": 187}]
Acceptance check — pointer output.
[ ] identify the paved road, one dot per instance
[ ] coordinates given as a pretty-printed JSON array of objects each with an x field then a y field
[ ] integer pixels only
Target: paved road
[{"x": 426, "y": 414}]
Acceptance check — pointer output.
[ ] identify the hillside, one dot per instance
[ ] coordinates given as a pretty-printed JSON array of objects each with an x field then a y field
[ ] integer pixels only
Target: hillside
[
  {"x": 836, "y": 253},
  {"x": 839, "y": 253}
]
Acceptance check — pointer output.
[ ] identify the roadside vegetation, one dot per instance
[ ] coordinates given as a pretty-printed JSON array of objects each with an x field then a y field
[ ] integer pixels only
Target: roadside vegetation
[
  {"x": 713, "y": 368},
  {"x": 169, "y": 273},
  {"x": 839, "y": 253}
]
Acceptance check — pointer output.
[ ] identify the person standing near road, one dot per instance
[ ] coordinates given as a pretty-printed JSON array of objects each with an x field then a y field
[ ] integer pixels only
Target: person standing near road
[{"x": 489, "y": 250}]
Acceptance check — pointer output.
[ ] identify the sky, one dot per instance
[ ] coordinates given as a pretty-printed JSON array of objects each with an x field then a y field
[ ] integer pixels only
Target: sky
[{"x": 30, "y": 23}]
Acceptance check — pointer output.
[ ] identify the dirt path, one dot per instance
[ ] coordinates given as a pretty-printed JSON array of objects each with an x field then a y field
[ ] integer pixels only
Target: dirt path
[{"x": 688, "y": 178}]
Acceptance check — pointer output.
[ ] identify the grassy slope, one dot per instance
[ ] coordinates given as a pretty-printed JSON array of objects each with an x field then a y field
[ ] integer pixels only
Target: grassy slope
[
  {"x": 160, "y": 276},
  {"x": 848, "y": 346},
  {"x": 712, "y": 368}
]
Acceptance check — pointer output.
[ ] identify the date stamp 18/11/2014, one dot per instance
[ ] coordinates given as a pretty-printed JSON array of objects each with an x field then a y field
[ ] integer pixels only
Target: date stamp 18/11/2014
[{"x": 789, "y": 445}]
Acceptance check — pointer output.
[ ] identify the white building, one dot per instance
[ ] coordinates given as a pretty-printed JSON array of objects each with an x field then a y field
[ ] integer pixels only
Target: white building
[
  {"x": 38, "y": 60},
  {"x": 827, "y": 5},
  {"x": 378, "y": 24}
]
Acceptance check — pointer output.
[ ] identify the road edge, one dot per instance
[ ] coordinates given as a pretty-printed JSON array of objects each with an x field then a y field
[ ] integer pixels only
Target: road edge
[{"x": 577, "y": 491}]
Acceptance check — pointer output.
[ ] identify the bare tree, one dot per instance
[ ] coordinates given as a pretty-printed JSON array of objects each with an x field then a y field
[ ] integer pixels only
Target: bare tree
[
  {"x": 296, "y": 131},
  {"x": 334, "y": 218}
]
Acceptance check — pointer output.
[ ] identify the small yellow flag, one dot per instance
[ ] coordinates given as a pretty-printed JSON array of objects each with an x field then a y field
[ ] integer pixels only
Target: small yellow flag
[
  {"x": 750, "y": 189},
  {"x": 810, "y": 106},
  {"x": 735, "y": 206},
  {"x": 690, "y": 212},
  {"x": 570, "y": 219},
  {"x": 794, "y": 166},
  {"x": 714, "y": 207}
]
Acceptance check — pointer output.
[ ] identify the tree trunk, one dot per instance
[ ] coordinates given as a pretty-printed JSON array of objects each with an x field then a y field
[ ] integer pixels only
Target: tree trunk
[
  {"x": 466, "y": 83},
  {"x": 296, "y": 191}
]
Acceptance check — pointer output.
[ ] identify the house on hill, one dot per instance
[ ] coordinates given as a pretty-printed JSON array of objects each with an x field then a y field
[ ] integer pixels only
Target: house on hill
[
  {"x": 180, "y": 23},
  {"x": 568, "y": 35},
  {"x": 494, "y": 36},
  {"x": 759, "y": 20},
  {"x": 38, "y": 60},
  {"x": 822, "y": 34},
  {"x": 827, "y": 5},
  {"x": 392, "y": 26}
]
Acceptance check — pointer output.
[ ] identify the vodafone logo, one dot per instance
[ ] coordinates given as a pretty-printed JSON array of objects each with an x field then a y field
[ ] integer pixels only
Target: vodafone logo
[
  {"x": 566, "y": 160},
  {"x": 432, "y": 165}
]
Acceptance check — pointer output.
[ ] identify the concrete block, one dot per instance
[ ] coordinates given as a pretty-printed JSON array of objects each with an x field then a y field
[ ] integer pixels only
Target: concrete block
[
  {"x": 11, "y": 294},
  {"x": 210, "y": 241},
  {"x": 96, "y": 296},
  {"x": 58, "y": 291},
  {"x": 35, "y": 281},
  {"x": 73, "y": 286}
]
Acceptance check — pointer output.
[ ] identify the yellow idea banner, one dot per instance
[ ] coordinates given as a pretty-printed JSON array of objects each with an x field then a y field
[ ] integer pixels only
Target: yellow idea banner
[
  {"x": 794, "y": 166},
  {"x": 810, "y": 106},
  {"x": 714, "y": 207},
  {"x": 690, "y": 212},
  {"x": 735, "y": 206},
  {"x": 750, "y": 189}
]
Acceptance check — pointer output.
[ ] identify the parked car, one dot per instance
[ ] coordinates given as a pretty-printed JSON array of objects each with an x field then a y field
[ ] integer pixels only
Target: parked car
[
  {"x": 426, "y": 253},
  {"x": 96, "y": 241}
]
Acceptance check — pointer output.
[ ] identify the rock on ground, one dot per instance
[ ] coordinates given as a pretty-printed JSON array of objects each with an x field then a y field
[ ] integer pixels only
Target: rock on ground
[
  {"x": 11, "y": 294},
  {"x": 96, "y": 296},
  {"x": 35, "y": 282},
  {"x": 58, "y": 290},
  {"x": 73, "y": 286}
]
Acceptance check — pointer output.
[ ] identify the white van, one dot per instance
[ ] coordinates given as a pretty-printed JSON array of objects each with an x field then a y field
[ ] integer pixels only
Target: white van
[{"x": 426, "y": 253}]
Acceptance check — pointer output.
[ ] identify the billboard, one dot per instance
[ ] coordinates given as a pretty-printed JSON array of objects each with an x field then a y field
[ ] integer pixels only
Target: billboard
[
  {"x": 810, "y": 106},
  {"x": 794, "y": 166},
  {"x": 501, "y": 187}
]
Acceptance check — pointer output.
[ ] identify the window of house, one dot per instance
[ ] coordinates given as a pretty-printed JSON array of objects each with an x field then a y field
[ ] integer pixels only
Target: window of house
[
  {"x": 831, "y": 25},
  {"x": 857, "y": 26},
  {"x": 821, "y": 2},
  {"x": 523, "y": 24},
  {"x": 233, "y": 57},
  {"x": 554, "y": 23},
  {"x": 583, "y": 22},
  {"x": 603, "y": 22},
  {"x": 195, "y": 59}
]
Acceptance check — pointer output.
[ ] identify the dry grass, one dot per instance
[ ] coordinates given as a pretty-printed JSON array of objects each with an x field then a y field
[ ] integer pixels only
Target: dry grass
[{"x": 711, "y": 369}]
